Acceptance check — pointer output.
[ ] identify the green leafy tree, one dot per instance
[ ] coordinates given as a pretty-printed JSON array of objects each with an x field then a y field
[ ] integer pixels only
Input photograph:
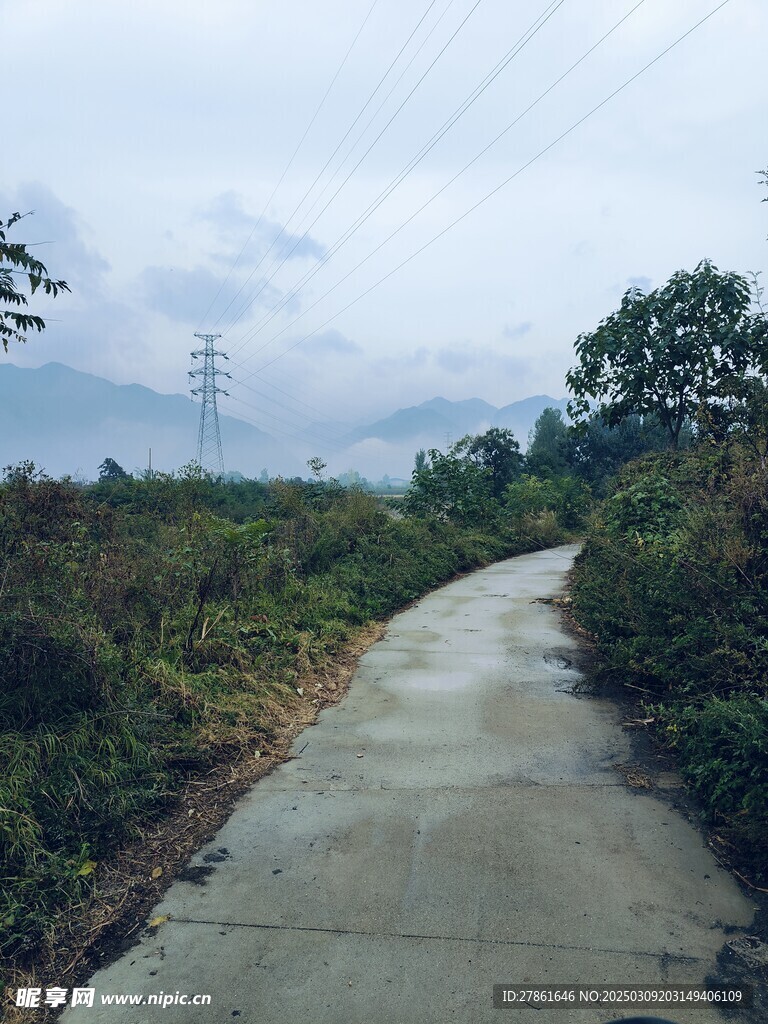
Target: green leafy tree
[
  {"x": 565, "y": 496},
  {"x": 496, "y": 452},
  {"x": 16, "y": 262},
  {"x": 111, "y": 470},
  {"x": 597, "y": 452},
  {"x": 742, "y": 415},
  {"x": 668, "y": 352},
  {"x": 546, "y": 455},
  {"x": 450, "y": 488},
  {"x": 420, "y": 461}
]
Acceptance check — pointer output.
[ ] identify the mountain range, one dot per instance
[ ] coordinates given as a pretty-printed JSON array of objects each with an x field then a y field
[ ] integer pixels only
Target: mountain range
[{"x": 68, "y": 422}]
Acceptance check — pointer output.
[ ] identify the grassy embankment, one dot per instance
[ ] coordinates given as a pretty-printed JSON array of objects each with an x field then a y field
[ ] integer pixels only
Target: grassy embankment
[
  {"x": 673, "y": 582},
  {"x": 151, "y": 630}
]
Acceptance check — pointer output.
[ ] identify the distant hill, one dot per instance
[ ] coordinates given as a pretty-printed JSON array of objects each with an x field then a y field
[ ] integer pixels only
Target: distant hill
[
  {"x": 68, "y": 422},
  {"x": 431, "y": 423},
  {"x": 519, "y": 417}
]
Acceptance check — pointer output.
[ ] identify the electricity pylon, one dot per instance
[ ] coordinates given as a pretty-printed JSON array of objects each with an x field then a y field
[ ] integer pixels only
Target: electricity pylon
[{"x": 209, "y": 455}]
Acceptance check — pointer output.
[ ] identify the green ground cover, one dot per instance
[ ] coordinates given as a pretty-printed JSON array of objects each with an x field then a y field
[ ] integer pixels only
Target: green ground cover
[
  {"x": 673, "y": 583},
  {"x": 150, "y": 629}
]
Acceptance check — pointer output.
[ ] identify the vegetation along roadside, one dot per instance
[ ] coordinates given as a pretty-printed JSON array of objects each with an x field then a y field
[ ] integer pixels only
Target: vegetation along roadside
[
  {"x": 673, "y": 578},
  {"x": 155, "y": 632}
]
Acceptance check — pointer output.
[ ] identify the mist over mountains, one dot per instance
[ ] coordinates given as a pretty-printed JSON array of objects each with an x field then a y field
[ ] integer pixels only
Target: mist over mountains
[{"x": 68, "y": 422}]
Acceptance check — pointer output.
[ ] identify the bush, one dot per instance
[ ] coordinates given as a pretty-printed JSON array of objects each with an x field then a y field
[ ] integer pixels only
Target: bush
[
  {"x": 673, "y": 582},
  {"x": 151, "y": 628}
]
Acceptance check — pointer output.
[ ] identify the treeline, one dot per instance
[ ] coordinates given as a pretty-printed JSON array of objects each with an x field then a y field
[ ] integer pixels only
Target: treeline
[
  {"x": 486, "y": 481},
  {"x": 151, "y": 629}
]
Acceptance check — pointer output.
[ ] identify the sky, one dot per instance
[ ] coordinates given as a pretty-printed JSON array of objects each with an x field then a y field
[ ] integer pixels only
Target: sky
[{"x": 208, "y": 167}]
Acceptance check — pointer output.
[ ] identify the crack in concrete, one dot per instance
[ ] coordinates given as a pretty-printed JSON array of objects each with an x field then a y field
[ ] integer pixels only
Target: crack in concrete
[
  {"x": 652, "y": 954},
  {"x": 449, "y": 789}
]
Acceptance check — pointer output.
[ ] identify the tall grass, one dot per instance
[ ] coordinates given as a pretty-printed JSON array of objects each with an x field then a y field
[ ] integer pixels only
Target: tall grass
[{"x": 149, "y": 629}]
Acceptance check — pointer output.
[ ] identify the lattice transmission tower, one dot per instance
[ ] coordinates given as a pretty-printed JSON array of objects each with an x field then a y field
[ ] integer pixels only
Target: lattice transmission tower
[{"x": 209, "y": 454}]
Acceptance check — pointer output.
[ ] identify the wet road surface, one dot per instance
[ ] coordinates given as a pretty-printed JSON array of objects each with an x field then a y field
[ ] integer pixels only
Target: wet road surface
[{"x": 454, "y": 823}]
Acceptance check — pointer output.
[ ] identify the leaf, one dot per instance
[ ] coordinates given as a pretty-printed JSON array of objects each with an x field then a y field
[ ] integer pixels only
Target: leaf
[
  {"x": 156, "y": 872},
  {"x": 86, "y": 869},
  {"x": 157, "y": 921}
]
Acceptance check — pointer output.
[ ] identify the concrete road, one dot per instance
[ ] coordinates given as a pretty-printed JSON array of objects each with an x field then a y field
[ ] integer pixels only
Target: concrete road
[{"x": 453, "y": 824}]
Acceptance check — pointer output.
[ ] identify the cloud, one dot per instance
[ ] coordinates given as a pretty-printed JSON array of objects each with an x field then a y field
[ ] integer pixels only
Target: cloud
[
  {"x": 517, "y": 330},
  {"x": 67, "y": 256},
  {"x": 463, "y": 358},
  {"x": 332, "y": 342},
  {"x": 400, "y": 363},
  {"x": 182, "y": 295},
  {"x": 231, "y": 221},
  {"x": 457, "y": 360}
]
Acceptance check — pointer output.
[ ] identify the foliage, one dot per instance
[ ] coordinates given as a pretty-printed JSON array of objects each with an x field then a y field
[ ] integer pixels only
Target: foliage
[
  {"x": 316, "y": 466},
  {"x": 496, "y": 452},
  {"x": 741, "y": 415},
  {"x": 151, "y": 628},
  {"x": 670, "y": 352},
  {"x": 451, "y": 488},
  {"x": 111, "y": 470},
  {"x": 673, "y": 582},
  {"x": 723, "y": 751},
  {"x": 547, "y": 445},
  {"x": 462, "y": 487},
  {"x": 567, "y": 498},
  {"x": 597, "y": 452},
  {"x": 15, "y": 259}
]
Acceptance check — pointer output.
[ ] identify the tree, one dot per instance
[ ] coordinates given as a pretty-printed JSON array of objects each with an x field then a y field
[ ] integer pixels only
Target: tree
[
  {"x": 596, "y": 453},
  {"x": 420, "y": 461},
  {"x": 668, "y": 352},
  {"x": 15, "y": 260},
  {"x": 316, "y": 466},
  {"x": 547, "y": 445},
  {"x": 497, "y": 452},
  {"x": 111, "y": 470},
  {"x": 450, "y": 488}
]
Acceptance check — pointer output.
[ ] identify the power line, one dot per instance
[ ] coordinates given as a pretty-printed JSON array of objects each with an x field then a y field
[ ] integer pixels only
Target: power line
[
  {"x": 365, "y": 154},
  {"x": 288, "y": 165},
  {"x": 494, "y": 191},
  {"x": 328, "y": 161},
  {"x": 399, "y": 178},
  {"x": 284, "y": 258},
  {"x": 357, "y": 141},
  {"x": 333, "y": 448},
  {"x": 437, "y": 194},
  {"x": 320, "y": 431},
  {"x": 297, "y": 401}
]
